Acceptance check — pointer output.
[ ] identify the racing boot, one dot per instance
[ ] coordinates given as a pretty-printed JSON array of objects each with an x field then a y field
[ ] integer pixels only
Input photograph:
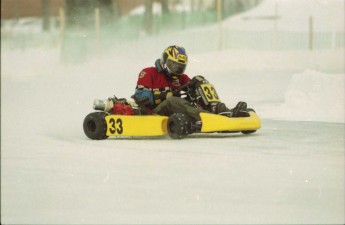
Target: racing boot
[
  {"x": 220, "y": 108},
  {"x": 240, "y": 110},
  {"x": 143, "y": 104}
]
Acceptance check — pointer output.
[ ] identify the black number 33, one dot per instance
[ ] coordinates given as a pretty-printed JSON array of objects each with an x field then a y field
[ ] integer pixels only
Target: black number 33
[
  {"x": 211, "y": 93},
  {"x": 116, "y": 126}
]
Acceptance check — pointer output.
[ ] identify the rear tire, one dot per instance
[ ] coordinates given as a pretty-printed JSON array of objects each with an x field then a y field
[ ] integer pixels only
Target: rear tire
[
  {"x": 177, "y": 126},
  {"x": 95, "y": 126}
]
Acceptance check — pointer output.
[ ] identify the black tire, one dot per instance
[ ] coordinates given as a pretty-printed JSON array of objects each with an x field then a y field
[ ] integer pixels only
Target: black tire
[
  {"x": 95, "y": 126},
  {"x": 177, "y": 126},
  {"x": 249, "y": 131}
]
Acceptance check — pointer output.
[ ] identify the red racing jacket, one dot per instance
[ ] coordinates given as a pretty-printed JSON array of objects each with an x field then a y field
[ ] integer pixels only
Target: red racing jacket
[{"x": 152, "y": 81}]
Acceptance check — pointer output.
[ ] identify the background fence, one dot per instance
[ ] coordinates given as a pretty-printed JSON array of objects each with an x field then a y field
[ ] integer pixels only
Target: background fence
[{"x": 196, "y": 30}]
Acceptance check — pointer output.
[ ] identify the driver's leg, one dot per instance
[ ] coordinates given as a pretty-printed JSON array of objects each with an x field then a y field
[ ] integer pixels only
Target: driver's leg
[{"x": 178, "y": 105}]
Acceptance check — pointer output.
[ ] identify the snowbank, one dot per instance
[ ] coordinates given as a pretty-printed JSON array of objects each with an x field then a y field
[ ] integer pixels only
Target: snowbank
[
  {"x": 256, "y": 77},
  {"x": 266, "y": 61},
  {"x": 312, "y": 96},
  {"x": 291, "y": 15}
]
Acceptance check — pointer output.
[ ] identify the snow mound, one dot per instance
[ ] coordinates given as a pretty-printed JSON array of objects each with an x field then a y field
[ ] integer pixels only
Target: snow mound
[
  {"x": 313, "y": 96},
  {"x": 291, "y": 15}
]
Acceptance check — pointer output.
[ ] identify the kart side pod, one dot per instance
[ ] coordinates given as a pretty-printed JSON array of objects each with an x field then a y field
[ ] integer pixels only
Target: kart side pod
[
  {"x": 101, "y": 125},
  {"x": 214, "y": 123},
  {"x": 178, "y": 127}
]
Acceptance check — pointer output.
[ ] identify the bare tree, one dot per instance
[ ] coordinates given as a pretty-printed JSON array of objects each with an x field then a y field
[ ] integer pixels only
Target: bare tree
[
  {"x": 232, "y": 7},
  {"x": 165, "y": 6},
  {"x": 46, "y": 15},
  {"x": 148, "y": 17},
  {"x": 80, "y": 13},
  {"x": 116, "y": 10}
]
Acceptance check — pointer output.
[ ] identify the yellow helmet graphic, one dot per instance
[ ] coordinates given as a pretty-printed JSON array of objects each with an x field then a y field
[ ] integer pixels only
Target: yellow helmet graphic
[{"x": 174, "y": 61}]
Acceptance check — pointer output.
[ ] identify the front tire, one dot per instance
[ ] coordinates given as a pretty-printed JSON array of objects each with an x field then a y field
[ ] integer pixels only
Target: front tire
[
  {"x": 177, "y": 126},
  {"x": 95, "y": 126}
]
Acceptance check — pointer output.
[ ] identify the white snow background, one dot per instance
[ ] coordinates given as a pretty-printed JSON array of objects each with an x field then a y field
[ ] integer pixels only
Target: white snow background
[{"x": 291, "y": 171}]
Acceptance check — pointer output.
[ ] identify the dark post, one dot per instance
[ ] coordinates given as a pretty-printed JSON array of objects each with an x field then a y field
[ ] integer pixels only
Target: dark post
[
  {"x": 46, "y": 15},
  {"x": 148, "y": 18},
  {"x": 311, "y": 33}
]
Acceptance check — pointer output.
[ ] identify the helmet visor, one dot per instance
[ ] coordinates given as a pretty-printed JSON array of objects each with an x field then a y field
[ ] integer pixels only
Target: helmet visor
[{"x": 175, "y": 67}]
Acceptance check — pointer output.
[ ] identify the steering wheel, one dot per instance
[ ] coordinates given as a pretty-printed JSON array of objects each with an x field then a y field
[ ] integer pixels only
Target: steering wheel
[{"x": 181, "y": 88}]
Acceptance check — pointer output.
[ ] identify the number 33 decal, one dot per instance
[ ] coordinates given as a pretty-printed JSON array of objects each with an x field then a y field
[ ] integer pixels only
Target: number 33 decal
[
  {"x": 210, "y": 92},
  {"x": 116, "y": 126}
]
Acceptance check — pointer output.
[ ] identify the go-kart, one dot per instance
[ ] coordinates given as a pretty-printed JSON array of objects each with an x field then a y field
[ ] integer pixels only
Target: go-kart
[{"x": 120, "y": 117}]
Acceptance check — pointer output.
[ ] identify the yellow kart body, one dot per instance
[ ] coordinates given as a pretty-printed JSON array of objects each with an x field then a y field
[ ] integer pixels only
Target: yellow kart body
[
  {"x": 214, "y": 123},
  {"x": 128, "y": 125},
  {"x": 155, "y": 125}
]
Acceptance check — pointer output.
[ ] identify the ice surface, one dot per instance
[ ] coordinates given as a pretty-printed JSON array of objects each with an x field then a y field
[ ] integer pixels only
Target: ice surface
[{"x": 291, "y": 171}]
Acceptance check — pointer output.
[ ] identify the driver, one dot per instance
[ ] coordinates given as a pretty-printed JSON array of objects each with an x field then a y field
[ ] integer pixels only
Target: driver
[{"x": 156, "y": 84}]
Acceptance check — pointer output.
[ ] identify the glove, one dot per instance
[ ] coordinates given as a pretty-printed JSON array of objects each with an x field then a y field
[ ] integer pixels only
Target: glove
[
  {"x": 141, "y": 101},
  {"x": 161, "y": 96}
]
